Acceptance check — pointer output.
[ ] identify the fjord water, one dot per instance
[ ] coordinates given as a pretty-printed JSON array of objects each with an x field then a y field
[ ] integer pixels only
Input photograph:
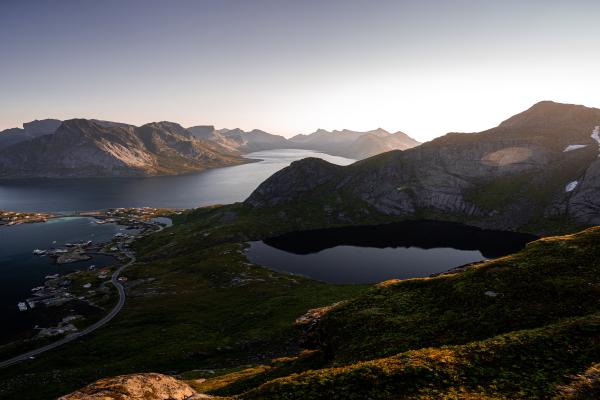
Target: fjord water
[
  {"x": 370, "y": 254},
  {"x": 216, "y": 186},
  {"x": 20, "y": 270}
]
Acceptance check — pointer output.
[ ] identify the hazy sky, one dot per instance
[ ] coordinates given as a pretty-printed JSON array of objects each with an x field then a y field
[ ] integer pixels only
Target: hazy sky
[{"x": 423, "y": 67}]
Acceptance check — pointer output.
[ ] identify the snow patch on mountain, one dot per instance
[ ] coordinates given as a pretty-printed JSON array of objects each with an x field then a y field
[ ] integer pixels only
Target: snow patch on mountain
[
  {"x": 596, "y": 136},
  {"x": 571, "y": 186},
  {"x": 572, "y": 147}
]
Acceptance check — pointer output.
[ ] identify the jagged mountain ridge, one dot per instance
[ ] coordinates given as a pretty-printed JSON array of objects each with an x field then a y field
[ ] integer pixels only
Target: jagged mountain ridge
[
  {"x": 87, "y": 148},
  {"x": 105, "y": 148},
  {"x": 537, "y": 166},
  {"x": 239, "y": 140},
  {"x": 353, "y": 144},
  {"x": 346, "y": 143}
]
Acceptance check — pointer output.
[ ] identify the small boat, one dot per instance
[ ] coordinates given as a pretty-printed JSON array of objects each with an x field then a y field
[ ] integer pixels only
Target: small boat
[
  {"x": 39, "y": 252},
  {"x": 22, "y": 306},
  {"x": 54, "y": 276}
]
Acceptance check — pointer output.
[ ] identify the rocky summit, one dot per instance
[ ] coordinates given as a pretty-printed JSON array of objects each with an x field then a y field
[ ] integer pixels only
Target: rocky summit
[{"x": 533, "y": 171}]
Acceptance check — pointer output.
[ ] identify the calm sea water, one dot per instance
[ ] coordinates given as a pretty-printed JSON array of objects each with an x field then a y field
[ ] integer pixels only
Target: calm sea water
[
  {"x": 20, "y": 270},
  {"x": 370, "y": 254},
  {"x": 216, "y": 186}
]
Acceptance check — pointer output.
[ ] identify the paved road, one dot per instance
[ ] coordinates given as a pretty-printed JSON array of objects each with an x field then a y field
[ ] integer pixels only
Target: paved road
[{"x": 115, "y": 281}]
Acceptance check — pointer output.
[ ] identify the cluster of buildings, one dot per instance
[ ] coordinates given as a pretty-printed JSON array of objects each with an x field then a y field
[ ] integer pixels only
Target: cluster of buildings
[{"x": 16, "y": 218}]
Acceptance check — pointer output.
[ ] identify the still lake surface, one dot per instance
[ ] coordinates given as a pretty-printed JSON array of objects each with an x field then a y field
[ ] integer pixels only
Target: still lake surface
[
  {"x": 20, "y": 270},
  {"x": 215, "y": 186},
  {"x": 370, "y": 254}
]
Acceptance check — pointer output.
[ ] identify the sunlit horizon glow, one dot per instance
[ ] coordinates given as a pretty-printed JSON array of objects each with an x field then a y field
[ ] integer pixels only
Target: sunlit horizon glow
[{"x": 424, "y": 68}]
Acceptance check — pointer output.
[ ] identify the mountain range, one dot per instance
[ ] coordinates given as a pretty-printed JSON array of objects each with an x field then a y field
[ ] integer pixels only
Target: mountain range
[
  {"x": 345, "y": 143},
  {"x": 353, "y": 144},
  {"x": 91, "y": 148},
  {"x": 535, "y": 169},
  {"x": 95, "y": 148}
]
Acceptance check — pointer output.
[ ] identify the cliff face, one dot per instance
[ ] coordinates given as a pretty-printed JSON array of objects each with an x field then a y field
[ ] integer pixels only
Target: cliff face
[
  {"x": 136, "y": 387},
  {"x": 84, "y": 148},
  {"x": 539, "y": 165}
]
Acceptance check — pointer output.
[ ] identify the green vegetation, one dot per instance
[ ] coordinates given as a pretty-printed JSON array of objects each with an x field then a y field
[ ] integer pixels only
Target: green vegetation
[
  {"x": 523, "y": 326},
  {"x": 193, "y": 302},
  {"x": 521, "y": 365},
  {"x": 503, "y": 329}
]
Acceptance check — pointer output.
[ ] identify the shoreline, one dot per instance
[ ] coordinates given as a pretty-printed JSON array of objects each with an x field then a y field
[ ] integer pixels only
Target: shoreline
[{"x": 117, "y": 248}]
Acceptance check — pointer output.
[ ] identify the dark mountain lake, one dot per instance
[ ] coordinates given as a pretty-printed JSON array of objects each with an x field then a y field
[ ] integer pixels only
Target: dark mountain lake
[
  {"x": 370, "y": 254},
  {"x": 21, "y": 270},
  {"x": 215, "y": 186}
]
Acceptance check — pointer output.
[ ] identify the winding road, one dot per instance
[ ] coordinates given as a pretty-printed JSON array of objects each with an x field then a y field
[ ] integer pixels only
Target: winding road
[{"x": 113, "y": 313}]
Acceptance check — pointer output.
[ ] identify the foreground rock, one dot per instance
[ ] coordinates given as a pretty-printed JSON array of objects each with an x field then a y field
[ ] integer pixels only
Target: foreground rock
[{"x": 148, "y": 386}]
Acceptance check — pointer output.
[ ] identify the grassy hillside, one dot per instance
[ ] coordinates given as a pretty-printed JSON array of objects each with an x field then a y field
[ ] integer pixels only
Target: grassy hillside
[
  {"x": 518, "y": 327},
  {"x": 193, "y": 302}
]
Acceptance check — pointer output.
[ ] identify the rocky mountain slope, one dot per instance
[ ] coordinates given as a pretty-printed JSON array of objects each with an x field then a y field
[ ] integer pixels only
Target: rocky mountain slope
[
  {"x": 30, "y": 130},
  {"x": 537, "y": 169},
  {"x": 88, "y": 148},
  {"x": 353, "y": 144}
]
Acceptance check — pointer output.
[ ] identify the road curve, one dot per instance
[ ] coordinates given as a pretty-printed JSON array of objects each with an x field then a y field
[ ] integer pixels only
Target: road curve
[{"x": 113, "y": 313}]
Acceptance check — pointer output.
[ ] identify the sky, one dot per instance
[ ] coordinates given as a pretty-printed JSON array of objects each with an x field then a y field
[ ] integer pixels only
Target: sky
[{"x": 423, "y": 67}]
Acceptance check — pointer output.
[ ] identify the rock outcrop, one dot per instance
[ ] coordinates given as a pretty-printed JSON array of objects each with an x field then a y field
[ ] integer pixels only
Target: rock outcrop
[{"x": 147, "y": 386}]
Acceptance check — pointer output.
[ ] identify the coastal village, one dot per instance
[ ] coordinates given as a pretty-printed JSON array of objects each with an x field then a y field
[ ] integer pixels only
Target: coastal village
[
  {"x": 90, "y": 285},
  {"x": 17, "y": 218}
]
